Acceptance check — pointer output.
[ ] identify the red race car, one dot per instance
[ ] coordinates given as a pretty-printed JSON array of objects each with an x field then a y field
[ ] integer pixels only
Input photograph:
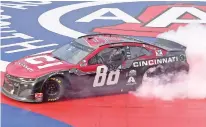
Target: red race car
[{"x": 91, "y": 65}]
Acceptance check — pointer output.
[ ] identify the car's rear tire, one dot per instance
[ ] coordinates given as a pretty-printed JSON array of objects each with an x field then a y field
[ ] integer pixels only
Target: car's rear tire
[
  {"x": 160, "y": 72},
  {"x": 154, "y": 71},
  {"x": 53, "y": 89},
  {"x": 155, "y": 75}
]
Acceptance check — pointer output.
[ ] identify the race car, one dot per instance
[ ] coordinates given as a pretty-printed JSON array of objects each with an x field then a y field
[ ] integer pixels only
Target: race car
[{"x": 91, "y": 65}]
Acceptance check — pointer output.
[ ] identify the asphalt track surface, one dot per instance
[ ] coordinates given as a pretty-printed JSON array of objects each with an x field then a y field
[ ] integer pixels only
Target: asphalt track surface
[{"x": 109, "y": 111}]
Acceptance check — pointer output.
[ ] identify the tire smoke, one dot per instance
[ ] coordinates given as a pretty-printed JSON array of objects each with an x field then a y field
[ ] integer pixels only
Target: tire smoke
[{"x": 191, "y": 85}]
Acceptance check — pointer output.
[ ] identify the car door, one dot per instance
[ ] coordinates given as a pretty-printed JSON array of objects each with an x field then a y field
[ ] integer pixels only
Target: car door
[
  {"x": 126, "y": 77},
  {"x": 97, "y": 77},
  {"x": 132, "y": 76}
]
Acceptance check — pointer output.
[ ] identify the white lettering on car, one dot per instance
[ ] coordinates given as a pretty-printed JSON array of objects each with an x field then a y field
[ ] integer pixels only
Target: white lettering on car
[
  {"x": 101, "y": 75},
  {"x": 155, "y": 61},
  {"x": 32, "y": 60}
]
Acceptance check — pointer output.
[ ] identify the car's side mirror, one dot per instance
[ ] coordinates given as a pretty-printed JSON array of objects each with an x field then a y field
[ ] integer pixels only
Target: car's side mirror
[{"x": 83, "y": 63}]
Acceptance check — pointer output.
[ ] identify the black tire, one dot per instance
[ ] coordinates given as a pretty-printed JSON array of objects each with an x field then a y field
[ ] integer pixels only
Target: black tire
[
  {"x": 154, "y": 71},
  {"x": 167, "y": 75},
  {"x": 53, "y": 89}
]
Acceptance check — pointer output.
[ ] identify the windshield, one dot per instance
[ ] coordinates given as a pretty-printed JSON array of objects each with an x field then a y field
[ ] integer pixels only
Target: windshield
[{"x": 72, "y": 53}]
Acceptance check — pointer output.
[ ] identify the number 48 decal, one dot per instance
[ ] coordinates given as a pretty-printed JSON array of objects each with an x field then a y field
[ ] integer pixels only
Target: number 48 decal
[{"x": 101, "y": 76}]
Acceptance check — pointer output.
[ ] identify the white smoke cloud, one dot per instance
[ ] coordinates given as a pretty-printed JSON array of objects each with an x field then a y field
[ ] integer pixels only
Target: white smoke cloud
[{"x": 192, "y": 85}]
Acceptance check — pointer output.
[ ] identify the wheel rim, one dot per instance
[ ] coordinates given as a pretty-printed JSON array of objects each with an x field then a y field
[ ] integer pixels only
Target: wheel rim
[{"x": 51, "y": 88}]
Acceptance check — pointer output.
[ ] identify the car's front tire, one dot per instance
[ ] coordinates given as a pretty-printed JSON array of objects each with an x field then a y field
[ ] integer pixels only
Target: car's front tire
[{"x": 53, "y": 89}]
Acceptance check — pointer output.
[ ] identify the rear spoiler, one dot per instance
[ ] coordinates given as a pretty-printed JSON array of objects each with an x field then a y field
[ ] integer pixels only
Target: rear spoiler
[{"x": 169, "y": 45}]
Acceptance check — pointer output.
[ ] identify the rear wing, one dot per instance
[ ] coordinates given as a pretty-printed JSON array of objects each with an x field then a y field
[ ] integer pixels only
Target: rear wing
[{"x": 169, "y": 45}]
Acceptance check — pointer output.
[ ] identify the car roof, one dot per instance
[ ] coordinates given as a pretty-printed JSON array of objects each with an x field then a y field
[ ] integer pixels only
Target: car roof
[{"x": 97, "y": 40}]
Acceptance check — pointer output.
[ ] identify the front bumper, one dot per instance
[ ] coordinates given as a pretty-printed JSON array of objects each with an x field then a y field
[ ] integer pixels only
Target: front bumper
[
  {"x": 15, "y": 97},
  {"x": 17, "y": 90}
]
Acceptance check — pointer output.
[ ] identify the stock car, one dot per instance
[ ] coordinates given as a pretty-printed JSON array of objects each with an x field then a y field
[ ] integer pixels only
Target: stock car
[{"x": 91, "y": 65}]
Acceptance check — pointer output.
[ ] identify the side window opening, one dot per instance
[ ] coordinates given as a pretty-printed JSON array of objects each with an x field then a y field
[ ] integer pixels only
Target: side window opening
[
  {"x": 93, "y": 60},
  {"x": 145, "y": 52},
  {"x": 106, "y": 55},
  {"x": 138, "y": 51}
]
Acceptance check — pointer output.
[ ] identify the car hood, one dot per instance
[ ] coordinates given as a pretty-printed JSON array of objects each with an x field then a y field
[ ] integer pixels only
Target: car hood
[{"x": 36, "y": 65}]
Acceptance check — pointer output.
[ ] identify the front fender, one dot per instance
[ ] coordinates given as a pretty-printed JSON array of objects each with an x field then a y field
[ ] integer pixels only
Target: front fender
[{"x": 43, "y": 79}]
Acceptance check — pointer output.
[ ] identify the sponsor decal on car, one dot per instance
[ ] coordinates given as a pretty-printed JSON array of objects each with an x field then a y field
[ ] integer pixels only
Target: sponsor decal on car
[
  {"x": 101, "y": 78},
  {"x": 158, "y": 61},
  {"x": 131, "y": 81},
  {"x": 24, "y": 66},
  {"x": 158, "y": 53},
  {"x": 38, "y": 97}
]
